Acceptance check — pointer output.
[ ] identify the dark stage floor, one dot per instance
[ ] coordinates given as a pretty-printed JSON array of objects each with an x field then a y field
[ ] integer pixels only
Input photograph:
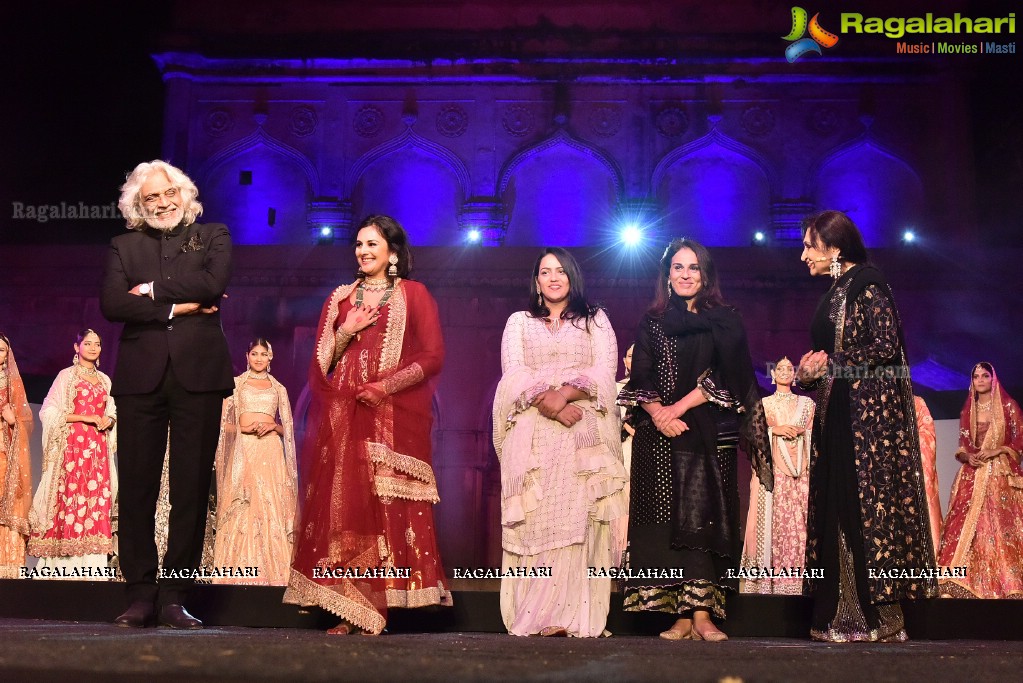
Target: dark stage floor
[{"x": 35, "y": 650}]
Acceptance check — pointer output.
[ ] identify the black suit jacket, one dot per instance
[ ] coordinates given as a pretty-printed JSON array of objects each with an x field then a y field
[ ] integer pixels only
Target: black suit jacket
[{"x": 187, "y": 264}]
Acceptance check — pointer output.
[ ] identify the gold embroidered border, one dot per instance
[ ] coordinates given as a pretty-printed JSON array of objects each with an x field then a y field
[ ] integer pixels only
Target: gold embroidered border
[
  {"x": 9, "y": 572},
  {"x": 381, "y": 454},
  {"x": 394, "y": 487},
  {"x": 325, "y": 340},
  {"x": 394, "y": 335},
  {"x": 70, "y": 547},
  {"x": 403, "y": 379},
  {"x": 419, "y": 598},
  {"x": 969, "y": 529},
  {"x": 353, "y": 606},
  {"x": 425, "y": 486}
]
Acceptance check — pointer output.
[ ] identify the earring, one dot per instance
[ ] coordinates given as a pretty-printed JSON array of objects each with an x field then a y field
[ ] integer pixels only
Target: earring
[
  {"x": 772, "y": 377},
  {"x": 539, "y": 299},
  {"x": 392, "y": 270},
  {"x": 669, "y": 288},
  {"x": 74, "y": 361},
  {"x": 835, "y": 267}
]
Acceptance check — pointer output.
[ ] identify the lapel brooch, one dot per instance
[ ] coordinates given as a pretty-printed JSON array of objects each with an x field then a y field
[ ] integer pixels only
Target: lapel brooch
[{"x": 194, "y": 243}]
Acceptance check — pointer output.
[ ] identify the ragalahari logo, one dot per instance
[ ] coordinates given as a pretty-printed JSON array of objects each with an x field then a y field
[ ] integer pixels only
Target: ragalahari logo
[{"x": 818, "y": 36}]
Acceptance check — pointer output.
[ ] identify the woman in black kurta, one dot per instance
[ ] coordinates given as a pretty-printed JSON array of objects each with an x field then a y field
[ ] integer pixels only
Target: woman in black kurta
[
  {"x": 691, "y": 367},
  {"x": 867, "y": 524}
]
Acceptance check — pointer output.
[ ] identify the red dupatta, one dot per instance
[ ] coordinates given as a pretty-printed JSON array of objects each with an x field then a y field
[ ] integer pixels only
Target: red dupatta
[
  {"x": 356, "y": 460},
  {"x": 970, "y": 488}
]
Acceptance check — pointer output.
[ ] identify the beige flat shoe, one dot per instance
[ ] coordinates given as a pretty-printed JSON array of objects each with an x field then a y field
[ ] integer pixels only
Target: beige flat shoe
[
  {"x": 677, "y": 634},
  {"x": 710, "y": 633}
]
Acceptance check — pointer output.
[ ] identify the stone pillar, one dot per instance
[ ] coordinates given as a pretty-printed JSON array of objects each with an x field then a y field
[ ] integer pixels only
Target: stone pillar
[
  {"x": 328, "y": 214},
  {"x": 786, "y": 219},
  {"x": 645, "y": 214},
  {"x": 486, "y": 215}
]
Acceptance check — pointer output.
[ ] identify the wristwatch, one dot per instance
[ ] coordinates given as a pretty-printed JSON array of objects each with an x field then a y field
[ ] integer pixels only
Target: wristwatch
[{"x": 145, "y": 289}]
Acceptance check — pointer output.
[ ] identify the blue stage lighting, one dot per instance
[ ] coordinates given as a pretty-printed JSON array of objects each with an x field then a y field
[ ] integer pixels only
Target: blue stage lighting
[
  {"x": 759, "y": 237},
  {"x": 908, "y": 237},
  {"x": 326, "y": 231},
  {"x": 632, "y": 235},
  {"x": 474, "y": 236}
]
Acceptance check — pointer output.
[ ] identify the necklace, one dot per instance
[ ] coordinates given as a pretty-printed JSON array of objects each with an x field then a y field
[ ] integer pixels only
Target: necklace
[
  {"x": 984, "y": 407},
  {"x": 258, "y": 375},
  {"x": 374, "y": 284},
  {"x": 785, "y": 395},
  {"x": 388, "y": 290},
  {"x": 86, "y": 370}
]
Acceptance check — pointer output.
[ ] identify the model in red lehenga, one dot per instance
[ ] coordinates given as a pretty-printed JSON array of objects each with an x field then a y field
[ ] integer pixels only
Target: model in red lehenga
[
  {"x": 15, "y": 466},
  {"x": 366, "y": 537},
  {"x": 982, "y": 528},
  {"x": 71, "y": 511}
]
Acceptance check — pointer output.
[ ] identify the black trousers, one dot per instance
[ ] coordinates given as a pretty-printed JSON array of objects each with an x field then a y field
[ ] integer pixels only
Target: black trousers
[{"x": 144, "y": 421}]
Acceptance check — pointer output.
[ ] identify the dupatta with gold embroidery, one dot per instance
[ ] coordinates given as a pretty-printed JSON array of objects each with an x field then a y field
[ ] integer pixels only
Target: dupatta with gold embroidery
[
  {"x": 982, "y": 528},
  {"x": 366, "y": 478},
  {"x": 15, "y": 470}
]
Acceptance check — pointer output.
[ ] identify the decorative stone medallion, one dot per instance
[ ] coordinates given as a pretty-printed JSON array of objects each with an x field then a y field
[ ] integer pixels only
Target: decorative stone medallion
[
  {"x": 368, "y": 121},
  {"x": 452, "y": 121},
  {"x": 517, "y": 120}
]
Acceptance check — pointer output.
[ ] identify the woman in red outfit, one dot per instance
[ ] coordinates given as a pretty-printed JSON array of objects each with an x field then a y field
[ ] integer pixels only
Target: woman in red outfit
[
  {"x": 366, "y": 538},
  {"x": 982, "y": 526}
]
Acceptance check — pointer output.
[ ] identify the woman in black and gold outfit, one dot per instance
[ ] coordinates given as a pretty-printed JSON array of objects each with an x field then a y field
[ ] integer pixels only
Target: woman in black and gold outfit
[
  {"x": 691, "y": 366},
  {"x": 867, "y": 515}
]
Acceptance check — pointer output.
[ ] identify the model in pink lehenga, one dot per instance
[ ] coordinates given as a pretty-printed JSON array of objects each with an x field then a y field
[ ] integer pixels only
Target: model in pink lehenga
[
  {"x": 15, "y": 466},
  {"x": 365, "y": 539},
  {"x": 776, "y": 523},
  {"x": 982, "y": 528},
  {"x": 72, "y": 509},
  {"x": 256, "y": 478}
]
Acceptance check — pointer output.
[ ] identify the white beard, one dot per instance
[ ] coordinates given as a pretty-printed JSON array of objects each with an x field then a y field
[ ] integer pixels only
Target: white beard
[{"x": 166, "y": 222}]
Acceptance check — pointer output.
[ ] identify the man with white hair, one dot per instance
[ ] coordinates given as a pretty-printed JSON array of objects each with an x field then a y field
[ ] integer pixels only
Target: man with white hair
[{"x": 164, "y": 280}]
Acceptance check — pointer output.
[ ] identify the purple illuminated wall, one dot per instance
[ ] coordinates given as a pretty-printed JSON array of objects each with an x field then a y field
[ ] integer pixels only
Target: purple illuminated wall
[{"x": 490, "y": 143}]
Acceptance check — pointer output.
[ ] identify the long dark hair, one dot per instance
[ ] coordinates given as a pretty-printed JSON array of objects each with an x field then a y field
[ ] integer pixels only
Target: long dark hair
[
  {"x": 397, "y": 242},
  {"x": 709, "y": 295},
  {"x": 578, "y": 308},
  {"x": 835, "y": 230},
  {"x": 260, "y": 341}
]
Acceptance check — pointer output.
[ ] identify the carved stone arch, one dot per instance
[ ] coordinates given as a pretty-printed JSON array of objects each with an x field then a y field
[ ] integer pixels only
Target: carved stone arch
[
  {"x": 714, "y": 137},
  {"x": 261, "y": 188},
  {"x": 257, "y": 139},
  {"x": 561, "y": 137},
  {"x": 881, "y": 191},
  {"x": 714, "y": 189},
  {"x": 561, "y": 191},
  {"x": 420, "y": 183},
  {"x": 410, "y": 139}
]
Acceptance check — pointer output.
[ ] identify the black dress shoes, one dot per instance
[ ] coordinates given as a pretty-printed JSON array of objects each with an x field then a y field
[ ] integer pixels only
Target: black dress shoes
[
  {"x": 140, "y": 614},
  {"x": 177, "y": 616}
]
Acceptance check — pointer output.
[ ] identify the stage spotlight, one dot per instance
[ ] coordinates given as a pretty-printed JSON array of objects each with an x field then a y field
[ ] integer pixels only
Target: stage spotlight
[
  {"x": 474, "y": 236},
  {"x": 326, "y": 232},
  {"x": 908, "y": 237},
  {"x": 759, "y": 237},
  {"x": 631, "y": 235}
]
